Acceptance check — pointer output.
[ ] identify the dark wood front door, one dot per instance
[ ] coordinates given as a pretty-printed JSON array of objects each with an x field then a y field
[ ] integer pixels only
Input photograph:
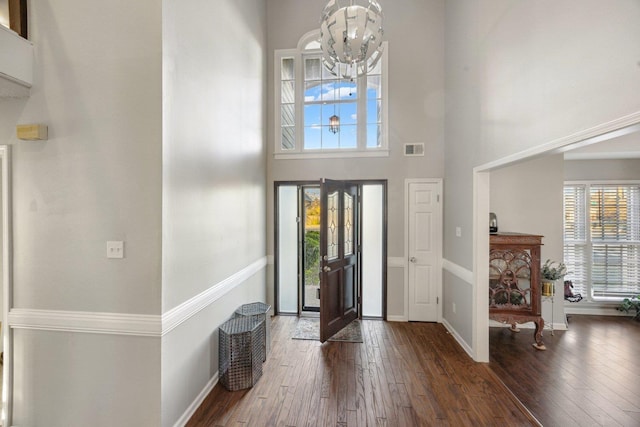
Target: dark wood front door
[{"x": 339, "y": 253}]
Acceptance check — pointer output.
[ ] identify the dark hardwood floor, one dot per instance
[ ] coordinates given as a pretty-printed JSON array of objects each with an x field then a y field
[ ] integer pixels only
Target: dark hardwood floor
[
  {"x": 404, "y": 374},
  {"x": 589, "y": 375}
]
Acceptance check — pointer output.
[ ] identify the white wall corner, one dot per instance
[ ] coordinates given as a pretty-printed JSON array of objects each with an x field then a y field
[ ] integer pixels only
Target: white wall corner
[
  {"x": 193, "y": 407},
  {"x": 466, "y": 347}
]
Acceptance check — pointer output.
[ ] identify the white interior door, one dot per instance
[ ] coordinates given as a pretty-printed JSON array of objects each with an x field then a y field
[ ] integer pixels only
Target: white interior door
[{"x": 424, "y": 249}]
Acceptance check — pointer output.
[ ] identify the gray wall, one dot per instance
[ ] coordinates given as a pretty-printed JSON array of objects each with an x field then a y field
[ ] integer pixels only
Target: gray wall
[
  {"x": 527, "y": 198},
  {"x": 157, "y": 138},
  {"x": 214, "y": 59},
  {"x": 415, "y": 34},
  {"x": 97, "y": 85},
  {"x": 516, "y": 79},
  {"x": 621, "y": 169}
]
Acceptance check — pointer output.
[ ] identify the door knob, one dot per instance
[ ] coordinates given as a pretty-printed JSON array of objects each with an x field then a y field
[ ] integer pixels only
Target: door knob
[
  {"x": 413, "y": 259},
  {"x": 326, "y": 268}
]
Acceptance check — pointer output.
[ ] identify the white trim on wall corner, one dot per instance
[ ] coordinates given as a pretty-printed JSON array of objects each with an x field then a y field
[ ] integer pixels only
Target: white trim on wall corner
[
  {"x": 458, "y": 271},
  {"x": 124, "y": 323},
  {"x": 80, "y": 321},
  {"x": 186, "y": 416},
  {"x": 177, "y": 315}
]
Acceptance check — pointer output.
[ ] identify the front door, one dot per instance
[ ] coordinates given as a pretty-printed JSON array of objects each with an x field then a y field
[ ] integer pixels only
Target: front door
[{"x": 338, "y": 250}]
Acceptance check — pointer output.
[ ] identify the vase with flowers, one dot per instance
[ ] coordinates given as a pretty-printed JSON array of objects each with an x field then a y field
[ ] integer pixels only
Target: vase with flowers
[{"x": 551, "y": 272}]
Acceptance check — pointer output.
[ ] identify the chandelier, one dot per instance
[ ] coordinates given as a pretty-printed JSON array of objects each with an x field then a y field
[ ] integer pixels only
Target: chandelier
[{"x": 351, "y": 37}]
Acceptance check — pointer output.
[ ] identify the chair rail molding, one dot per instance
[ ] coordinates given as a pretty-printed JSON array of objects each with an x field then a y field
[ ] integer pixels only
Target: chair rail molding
[
  {"x": 125, "y": 323},
  {"x": 458, "y": 271},
  {"x": 179, "y": 314},
  {"x": 91, "y": 322}
]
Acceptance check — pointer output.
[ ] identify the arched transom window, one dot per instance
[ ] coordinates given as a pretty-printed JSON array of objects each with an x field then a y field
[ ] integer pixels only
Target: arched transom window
[{"x": 321, "y": 115}]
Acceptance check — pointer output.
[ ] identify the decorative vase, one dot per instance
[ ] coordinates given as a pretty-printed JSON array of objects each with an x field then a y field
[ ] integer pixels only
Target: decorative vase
[{"x": 548, "y": 288}]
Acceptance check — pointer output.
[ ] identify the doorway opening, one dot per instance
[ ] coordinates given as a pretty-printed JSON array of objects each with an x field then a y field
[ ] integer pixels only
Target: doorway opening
[
  {"x": 481, "y": 207},
  {"x": 299, "y": 260}
]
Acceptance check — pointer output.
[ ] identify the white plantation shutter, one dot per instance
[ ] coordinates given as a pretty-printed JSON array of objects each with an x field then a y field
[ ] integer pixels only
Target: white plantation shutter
[
  {"x": 602, "y": 239},
  {"x": 576, "y": 251}
]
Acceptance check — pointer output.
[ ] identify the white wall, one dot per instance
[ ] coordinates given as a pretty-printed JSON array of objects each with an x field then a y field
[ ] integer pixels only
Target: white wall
[
  {"x": 97, "y": 85},
  {"x": 521, "y": 74},
  {"x": 4, "y": 13},
  {"x": 79, "y": 379},
  {"x": 621, "y": 169},
  {"x": 213, "y": 226},
  {"x": 527, "y": 198},
  {"x": 415, "y": 34},
  {"x": 97, "y": 177}
]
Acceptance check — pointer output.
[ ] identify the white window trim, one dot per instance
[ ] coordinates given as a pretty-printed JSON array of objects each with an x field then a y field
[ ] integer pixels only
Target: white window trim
[
  {"x": 588, "y": 299},
  {"x": 299, "y": 152}
]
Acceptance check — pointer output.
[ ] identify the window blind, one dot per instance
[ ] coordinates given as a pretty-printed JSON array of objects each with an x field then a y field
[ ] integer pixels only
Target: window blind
[
  {"x": 602, "y": 239},
  {"x": 615, "y": 234},
  {"x": 576, "y": 253}
]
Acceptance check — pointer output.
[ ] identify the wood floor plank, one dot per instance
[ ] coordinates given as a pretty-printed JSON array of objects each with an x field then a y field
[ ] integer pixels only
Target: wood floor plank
[
  {"x": 403, "y": 374},
  {"x": 587, "y": 376}
]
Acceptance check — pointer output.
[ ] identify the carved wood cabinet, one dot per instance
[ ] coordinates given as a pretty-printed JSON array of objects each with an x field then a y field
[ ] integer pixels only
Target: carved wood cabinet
[{"x": 514, "y": 281}]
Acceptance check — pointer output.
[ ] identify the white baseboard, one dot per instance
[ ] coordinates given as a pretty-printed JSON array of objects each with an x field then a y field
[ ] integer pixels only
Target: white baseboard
[
  {"x": 466, "y": 347},
  {"x": 397, "y": 318},
  {"x": 593, "y": 310},
  {"x": 184, "y": 419},
  {"x": 557, "y": 326}
]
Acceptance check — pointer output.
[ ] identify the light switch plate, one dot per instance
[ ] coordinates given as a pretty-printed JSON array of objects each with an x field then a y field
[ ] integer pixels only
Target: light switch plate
[{"x": 115, "y": 249}]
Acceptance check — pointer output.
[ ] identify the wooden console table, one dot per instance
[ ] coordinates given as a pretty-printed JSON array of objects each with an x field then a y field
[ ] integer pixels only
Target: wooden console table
[{"x": 514, "y": 281}]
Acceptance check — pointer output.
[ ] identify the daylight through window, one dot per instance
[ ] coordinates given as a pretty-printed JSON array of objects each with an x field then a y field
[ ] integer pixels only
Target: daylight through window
[
  {"x": 308, "y": 96},
  {"x": 602, "y": 239}
]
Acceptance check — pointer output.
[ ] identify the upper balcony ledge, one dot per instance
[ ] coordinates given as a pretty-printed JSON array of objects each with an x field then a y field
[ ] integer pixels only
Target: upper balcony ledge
[{"x": 16, "y": 64}]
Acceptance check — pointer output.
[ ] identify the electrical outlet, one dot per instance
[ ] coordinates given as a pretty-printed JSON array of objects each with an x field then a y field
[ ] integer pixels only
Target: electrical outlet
[
  {"x": 458, "y": 231},
  {"x": 454, "y": 308},
  {"x": 115, "y": 249}
]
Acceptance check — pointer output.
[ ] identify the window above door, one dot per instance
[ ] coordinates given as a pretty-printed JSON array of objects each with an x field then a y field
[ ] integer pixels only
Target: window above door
[{"x": 308, "y": 97}]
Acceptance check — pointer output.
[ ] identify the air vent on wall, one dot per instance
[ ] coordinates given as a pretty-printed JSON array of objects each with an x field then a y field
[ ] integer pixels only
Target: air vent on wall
[{"x": 414, "y": 149}]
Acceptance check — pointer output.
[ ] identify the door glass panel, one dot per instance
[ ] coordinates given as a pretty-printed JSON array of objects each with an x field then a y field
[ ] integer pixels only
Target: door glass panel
[
  {"x": 372, "y": 249},
  {"x": 348, "y": 224},
  {"x": 332, "y": 225},
  {"x": 288, "y": 248},
  {"x": 311, "y": 248},
  {"x": 349, "y": 287}
]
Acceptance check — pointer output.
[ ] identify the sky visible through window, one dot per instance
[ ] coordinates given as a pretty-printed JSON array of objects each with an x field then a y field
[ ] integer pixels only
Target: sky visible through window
[{"x": 324, "y": 98}]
